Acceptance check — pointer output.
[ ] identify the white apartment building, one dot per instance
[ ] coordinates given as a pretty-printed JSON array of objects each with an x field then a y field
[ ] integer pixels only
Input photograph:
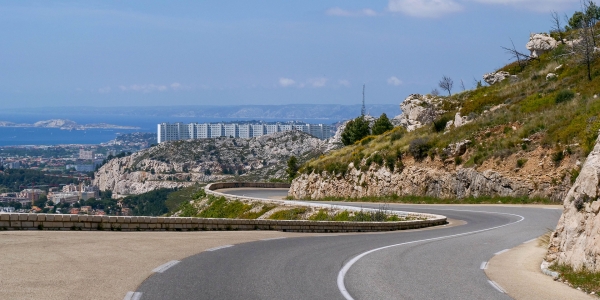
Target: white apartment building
[
  {"x": 258, "y": 130},
  {"x": 232, "y": 130},
  {"x": 217, "y": 130},
  {"x": 272, "y": 128},
  {"x": 245, "y": 131},
  {"x": 181, "y": 131}
]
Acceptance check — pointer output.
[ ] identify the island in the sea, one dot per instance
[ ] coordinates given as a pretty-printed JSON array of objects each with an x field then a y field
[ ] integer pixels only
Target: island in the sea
[{"x": 65, "y": 125}]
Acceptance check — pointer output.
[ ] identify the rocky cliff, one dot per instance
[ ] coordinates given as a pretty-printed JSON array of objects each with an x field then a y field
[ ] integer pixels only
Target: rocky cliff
[
  {"x": 183, "y": 163},
  {"x": 538, "y": 177},
  {"x": 576, "y": 242}
]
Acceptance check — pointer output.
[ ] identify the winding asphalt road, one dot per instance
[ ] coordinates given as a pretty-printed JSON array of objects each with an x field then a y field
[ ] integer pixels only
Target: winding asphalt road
[{"x": 441, "y": 263}]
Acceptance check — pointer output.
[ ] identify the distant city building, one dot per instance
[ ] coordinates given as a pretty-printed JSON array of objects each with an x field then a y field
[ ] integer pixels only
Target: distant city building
[
  {"x": 13, "y": 165},
  {"x": 82, "y": 168},
  {"x": 85, "y": 154},
  {"x": 181, "y": 131}
]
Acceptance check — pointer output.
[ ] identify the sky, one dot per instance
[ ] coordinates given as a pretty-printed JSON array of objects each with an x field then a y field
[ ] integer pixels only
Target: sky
[{"x": 166, "y": 53}]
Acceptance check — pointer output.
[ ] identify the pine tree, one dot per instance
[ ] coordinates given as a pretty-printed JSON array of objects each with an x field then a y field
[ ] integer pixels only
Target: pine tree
[{"x": 382, "y": 125}]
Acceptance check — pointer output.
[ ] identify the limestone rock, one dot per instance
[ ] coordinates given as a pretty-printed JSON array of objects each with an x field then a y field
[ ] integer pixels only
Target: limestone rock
[
  {"x": 576, "y": 240},
  {"x": 551, "y": 76},
  {"x": 184, "y": 163},
  {"x": 418, "y": 111},
  {"x": 493, "y": 78},
  {"x": 457, "y": 149},
  {"x": 459, "y": 120},
  {"x": 540, "y": 43},
  {"x": 418, "y": 180}
]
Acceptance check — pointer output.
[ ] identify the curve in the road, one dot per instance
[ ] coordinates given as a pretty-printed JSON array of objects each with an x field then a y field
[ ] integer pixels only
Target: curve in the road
[{"x": 416, "y": 264}]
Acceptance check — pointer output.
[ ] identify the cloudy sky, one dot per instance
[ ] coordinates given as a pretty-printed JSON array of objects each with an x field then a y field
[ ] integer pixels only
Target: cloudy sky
[{"x": 113, "y": 53}]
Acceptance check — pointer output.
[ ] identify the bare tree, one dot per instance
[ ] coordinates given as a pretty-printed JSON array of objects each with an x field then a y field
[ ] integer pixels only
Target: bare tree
[
  {"x": 435, "y": 92},
  {"x": 522, "y": 59},
  {"x": 584, "y": 50},
  {"x": 446, "y": 84},
  {"x": 557, "y": 26},
  {"x": 462, "y": 85}
]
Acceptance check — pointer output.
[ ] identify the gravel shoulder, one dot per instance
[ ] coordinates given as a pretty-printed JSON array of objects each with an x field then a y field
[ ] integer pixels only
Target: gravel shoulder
[
  {"x": 98, "y": 265},
  {"x": 518, "y": 272}
]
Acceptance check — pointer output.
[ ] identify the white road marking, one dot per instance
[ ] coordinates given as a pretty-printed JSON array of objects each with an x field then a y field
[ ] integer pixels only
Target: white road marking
[
  {"x": 348, "y": 265},
  {"x": 531, "y": 240},
  {"x": 275, "y": 238},
  {"x": 496, "y": 286},
  {"x": 133, "y": 296},
  {"x": 551, "y": 208},
  {"x": 165, "y": 266},
  {"x": 500, "y": 252},
  {"x": 483, "y": 265},
  {"x": 219, "y": 248}
]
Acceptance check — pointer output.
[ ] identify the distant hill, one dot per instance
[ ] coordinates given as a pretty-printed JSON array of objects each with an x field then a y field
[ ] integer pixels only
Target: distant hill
[{"x": 333, "y": 112}]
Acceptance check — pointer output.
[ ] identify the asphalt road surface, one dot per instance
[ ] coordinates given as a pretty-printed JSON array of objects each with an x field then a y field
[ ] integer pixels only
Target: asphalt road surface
[{"x": 442, "y": 263}]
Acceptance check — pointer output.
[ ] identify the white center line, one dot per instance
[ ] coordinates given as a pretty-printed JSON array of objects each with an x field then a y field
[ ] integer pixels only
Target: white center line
[
  {"x": 218, "y": 248},
  {"x": 500, "y": 252},
  {"x": 165, "y": 266},
  {"x": 342, "y": 274},
  {"x": 483, "y": 265}
]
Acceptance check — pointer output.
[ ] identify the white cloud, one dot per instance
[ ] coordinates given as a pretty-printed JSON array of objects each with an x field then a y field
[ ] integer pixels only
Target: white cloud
[
  {"x": 394, "y": 81},
  {"x": 104, "y": 90},
  {"x": 340, "y": 12},
  {"x": 424, "y": 8},
  {"x": 344, "y": 82},
  {"x": 317, "y": 82},
  {"x": 144, "y": 88},
  {"x": 285, "y": 82}
]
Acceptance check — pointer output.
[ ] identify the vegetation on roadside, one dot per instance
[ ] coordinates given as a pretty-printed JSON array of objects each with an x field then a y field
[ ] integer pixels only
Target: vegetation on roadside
[
  {"x": 583, "y": 279},
  {"x": 436, "y": 200}
]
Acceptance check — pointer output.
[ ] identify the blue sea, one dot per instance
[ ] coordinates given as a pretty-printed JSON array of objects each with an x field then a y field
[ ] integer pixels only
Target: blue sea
[{"x": 11, "y": 136}]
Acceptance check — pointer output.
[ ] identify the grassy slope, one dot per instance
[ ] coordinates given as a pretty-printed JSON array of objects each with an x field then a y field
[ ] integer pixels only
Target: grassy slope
[{"x": 531, "y": 108}]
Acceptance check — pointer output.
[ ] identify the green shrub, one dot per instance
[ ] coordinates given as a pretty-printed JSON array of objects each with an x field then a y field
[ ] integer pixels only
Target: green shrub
[
  {"x": 355, "y": 131},
  {"x": 564, "y": 96},
  {"x": 440, "y": 124},
  {"x": 458, "y": 160},
  {"x": 419, "y": 148},
  {"x": 521, "y": 162},
  {"x": 558, "y": 156}
]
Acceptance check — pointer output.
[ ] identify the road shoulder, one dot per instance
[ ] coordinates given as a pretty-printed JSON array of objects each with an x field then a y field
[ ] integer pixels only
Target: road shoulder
[{"x": 518, "y": 272}]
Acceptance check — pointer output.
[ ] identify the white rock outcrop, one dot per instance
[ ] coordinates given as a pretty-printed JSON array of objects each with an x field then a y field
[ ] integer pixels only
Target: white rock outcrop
[
  {"x": 493, "y": 78},
  {"x": 551, "y": 76},
  {"x": 459, "y": 120},
  {"x": 576, "y": 240},
  {"x": 540, "y": 43},
  {"x": 418, "y": 111}
]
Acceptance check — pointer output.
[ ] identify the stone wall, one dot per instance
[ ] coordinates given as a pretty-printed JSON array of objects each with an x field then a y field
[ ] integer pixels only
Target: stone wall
[{"x": 11, "y": 221}]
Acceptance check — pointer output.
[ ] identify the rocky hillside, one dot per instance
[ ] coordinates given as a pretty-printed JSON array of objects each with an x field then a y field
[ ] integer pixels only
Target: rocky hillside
[
  {"x": 183, "y": 163},
  {"x": 525, "y": 133}
]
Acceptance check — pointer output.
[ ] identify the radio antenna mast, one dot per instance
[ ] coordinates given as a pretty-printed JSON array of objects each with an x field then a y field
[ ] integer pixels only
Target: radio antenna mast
[{"x": 363, "y": 111}]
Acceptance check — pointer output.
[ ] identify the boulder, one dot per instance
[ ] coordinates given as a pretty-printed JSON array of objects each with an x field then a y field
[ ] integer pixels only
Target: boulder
[
  {"x": 459, "y": 120},
  {"x": 457, "y": 149},
  {"x": 540, "y": 43},
  {"x": 418, "y": 111},
  {"x": 551, "y": 76},
  {"x": 493, "y": 78}
]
